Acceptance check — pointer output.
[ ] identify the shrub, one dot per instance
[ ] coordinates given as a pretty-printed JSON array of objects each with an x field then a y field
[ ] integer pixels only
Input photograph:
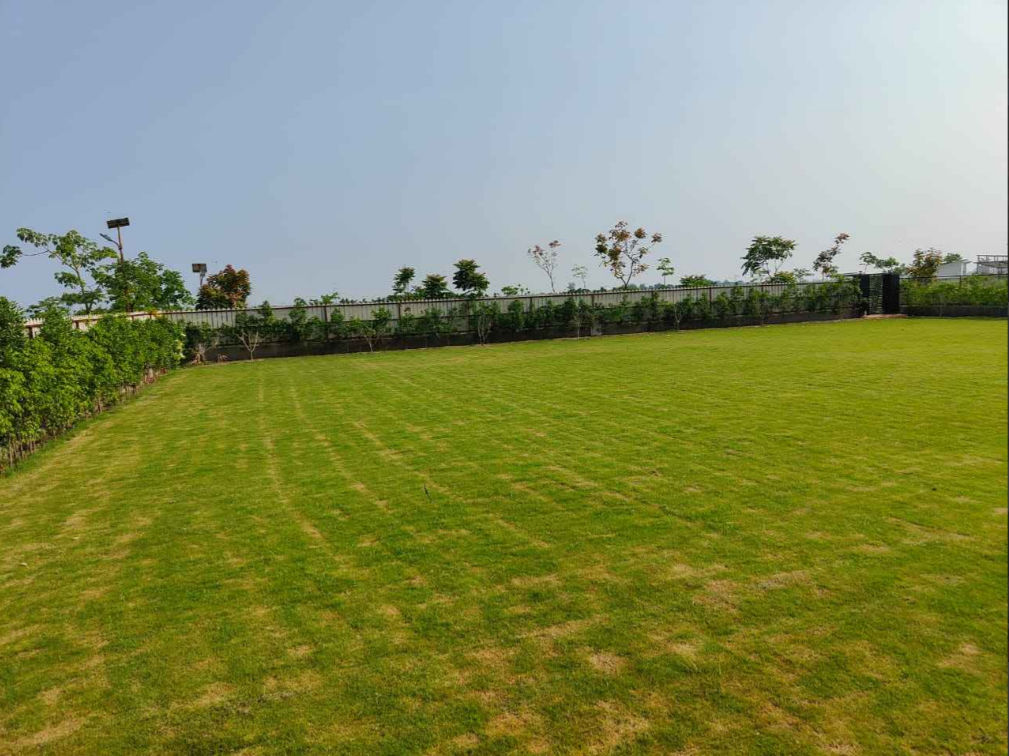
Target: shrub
[
  {"x": 980, "y": 291},
  {"x": 50, "y": 382}
]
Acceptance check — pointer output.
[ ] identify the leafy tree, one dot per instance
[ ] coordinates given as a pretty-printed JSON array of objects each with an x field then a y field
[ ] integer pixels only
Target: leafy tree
[
  {"x": 248, "y": 329},
  {"x": 697, "y": 280},
  {"x": 514, "y": 291},
  {"x": 80, "y": 257},
  {"x": 43, "y": 306},
  {"x": 433, "y": 286},
  {"x": 925, "y": 263},
  {"x": 402, "y": 280},
  {"x": 297, "y": 320},
  {"x": 581, "y": 273},
  {"x": 545, "y": 259},
  {"x": 622, "y": 251},
  {"x": 885, "y": 264},
  {"x": 665, "y": 268},
  {"x": 824, "y": 262},
  {"x": 226, "y": 289},
  {"x": 142, "y": 284},
  {"x": 374, "y": 330},
  {"x": 953, "y": 257},
  {"x": 765, "y": 253},
  {"x": 468, "y": 279},
  {"x": 325, "y": 299}
]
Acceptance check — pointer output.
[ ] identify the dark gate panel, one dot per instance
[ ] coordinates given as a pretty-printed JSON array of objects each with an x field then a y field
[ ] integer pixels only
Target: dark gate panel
[
  {"x": 871, "y": 290},
  {"x": 891, "y": 293},
  {"x": 880, "y": 293}
]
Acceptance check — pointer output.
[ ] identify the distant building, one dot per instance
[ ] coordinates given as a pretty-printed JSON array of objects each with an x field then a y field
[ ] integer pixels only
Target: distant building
[
  {"x": 992, "y": 264},
  {"x": 955, "y": 268}
]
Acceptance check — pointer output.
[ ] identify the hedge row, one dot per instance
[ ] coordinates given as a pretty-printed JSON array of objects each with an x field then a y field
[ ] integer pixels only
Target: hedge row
[
  {"x": 987, "y": 291},
  {"x": 483, "y": 317},
  {"x": 62, "y": 375}
]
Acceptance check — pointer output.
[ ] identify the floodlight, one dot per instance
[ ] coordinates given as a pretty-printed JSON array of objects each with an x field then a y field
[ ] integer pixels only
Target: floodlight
[{"x": 117, "y": 222}]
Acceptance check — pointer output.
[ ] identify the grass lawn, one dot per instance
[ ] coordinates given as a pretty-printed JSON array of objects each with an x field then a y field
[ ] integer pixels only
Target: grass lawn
[{"x": 788, "y": 539}]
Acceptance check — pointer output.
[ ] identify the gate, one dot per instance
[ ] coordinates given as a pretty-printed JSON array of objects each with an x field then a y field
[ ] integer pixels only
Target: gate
[
  {"x": 880, "y": 293},
  {"x": 891, "y": 293}
]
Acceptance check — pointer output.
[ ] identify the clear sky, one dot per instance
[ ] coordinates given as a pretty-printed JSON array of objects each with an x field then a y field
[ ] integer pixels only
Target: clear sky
[{"x": 323, "y": 144}]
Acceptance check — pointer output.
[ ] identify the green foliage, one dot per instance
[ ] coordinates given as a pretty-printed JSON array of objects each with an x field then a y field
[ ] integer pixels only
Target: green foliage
[
  {"x": 142, "y": 284},
  {"x": 581, "y": 273},
  {"x": 226, "y": 289},
  {"x": 433, "y": 286},
  {"x": 824, "y": 262},
  {"x": 297, "y": 321},
  {"x": 765, "y": 255},
  {"x": 433, "y": 323},
  {"x": 468, "y": 279},
  {"x": 514, "y": 318},
  {"x": 665, "y": 268},
  {"x": 374, "y": 330},
  {"x": 325, "y": 299},
  {"x": 697, "y": 280},
  {"x": 50, "y": 382},
  {"x": 401, "y": 281},
  {"x": 514, "y": 291},
  {"x": 886, "y": 265},
  {"x": 79, "y": 257},
  {"x": 925, "y": 263},
  {"x": 981, "y": 291}
]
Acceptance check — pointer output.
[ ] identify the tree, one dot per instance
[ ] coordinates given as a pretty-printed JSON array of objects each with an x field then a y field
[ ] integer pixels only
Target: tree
[
  {"x": 885, "y": 264},
  {"x": 402, "y": 280},
  {"x": 953, "y": 257},
  {"x": 142, "y": 284},
  {"x": 80, "y": 257},
  {"x": 824, "y": 262},
  {"x": 765, "y": 252},
  {"x": 325, "y": 299},
  {"x": 665, "y": 268},
  {"x": 514, "y": 291},
  {"x": 247, "y": 330},
  {"x": 545, "y": 259},
  {"x": 374, "y": 330},
  {"x": 581, "y": 272},
  {"x": 433, "y": 287},
  {"x": 468, "y": 279},
  {"x": 697, "y": 280},
  {"x": 783, "y": 277},
  {"x": 622, "y": 251},
  {"x": 226, "y": 289},
  {"x": 925, "y": 263}
]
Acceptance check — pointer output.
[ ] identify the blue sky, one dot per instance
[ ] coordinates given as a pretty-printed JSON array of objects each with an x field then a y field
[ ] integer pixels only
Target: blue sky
[{"x": 322, "y": 145}]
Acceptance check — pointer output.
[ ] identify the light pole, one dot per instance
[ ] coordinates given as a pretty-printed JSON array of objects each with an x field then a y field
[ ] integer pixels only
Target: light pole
[
  {"x": 117, "y": 224},
  {"x": 200, "y": 268}
]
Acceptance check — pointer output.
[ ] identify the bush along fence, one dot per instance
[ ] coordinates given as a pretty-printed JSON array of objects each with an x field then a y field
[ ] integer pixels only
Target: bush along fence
[
  {"x": 955, "y": 296},
  {"x": 269, "y": 332},
  {"x": 64, "y": 374}
]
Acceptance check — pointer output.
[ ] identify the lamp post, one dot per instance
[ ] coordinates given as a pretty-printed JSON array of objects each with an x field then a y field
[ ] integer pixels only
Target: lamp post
[
  {"x": 117, "y": 224},
  {"x": 200, "y": 268}
]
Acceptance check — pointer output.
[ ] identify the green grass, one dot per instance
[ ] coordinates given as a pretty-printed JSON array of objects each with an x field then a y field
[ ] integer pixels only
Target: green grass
[{"x": 788, "y": 539}]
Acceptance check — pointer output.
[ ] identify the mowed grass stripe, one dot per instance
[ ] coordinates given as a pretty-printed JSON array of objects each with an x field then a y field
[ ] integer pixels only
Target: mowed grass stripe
[{"x": 784, "y": 539}]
